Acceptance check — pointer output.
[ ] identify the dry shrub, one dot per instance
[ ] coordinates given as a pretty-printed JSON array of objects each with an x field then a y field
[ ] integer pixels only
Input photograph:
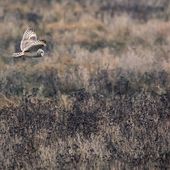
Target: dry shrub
[
  {"x": 93, "y": 128},
  {"x": 138, "y": 60},
  {"x": 101, "y": 92}
]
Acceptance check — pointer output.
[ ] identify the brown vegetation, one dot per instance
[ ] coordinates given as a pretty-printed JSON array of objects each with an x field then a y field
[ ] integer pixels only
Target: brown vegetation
[{"x": 100, "y": 94}]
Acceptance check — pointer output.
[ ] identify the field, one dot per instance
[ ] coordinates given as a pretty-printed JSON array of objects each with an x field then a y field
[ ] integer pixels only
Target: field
[{"x": 99, "y": 98}]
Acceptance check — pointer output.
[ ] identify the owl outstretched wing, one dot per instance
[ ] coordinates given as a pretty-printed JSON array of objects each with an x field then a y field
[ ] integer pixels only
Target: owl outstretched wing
[{"x": 29, "y": 37}]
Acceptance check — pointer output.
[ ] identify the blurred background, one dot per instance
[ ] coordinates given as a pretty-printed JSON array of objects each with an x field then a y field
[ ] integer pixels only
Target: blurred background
[{"x": 86, "y": 40}]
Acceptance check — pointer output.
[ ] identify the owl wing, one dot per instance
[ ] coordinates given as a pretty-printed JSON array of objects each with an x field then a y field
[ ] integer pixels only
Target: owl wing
[
  {"x": 28, "y": 38},
  {"x": 33, "y": 46}
]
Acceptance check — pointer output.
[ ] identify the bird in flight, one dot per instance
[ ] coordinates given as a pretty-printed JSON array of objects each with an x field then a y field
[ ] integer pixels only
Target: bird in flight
[{"x": 30, "y": 46}]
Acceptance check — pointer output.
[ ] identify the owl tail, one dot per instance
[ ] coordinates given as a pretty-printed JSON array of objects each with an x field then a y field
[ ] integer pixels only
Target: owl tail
[{"x": 18, "y": 55}]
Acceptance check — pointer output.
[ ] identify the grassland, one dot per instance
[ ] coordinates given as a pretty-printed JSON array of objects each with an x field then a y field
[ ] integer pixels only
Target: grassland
[{"x": 101, "y": 93}]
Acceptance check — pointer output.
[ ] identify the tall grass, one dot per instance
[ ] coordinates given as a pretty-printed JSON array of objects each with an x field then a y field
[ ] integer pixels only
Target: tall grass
[{"x": 101, "y": 93}]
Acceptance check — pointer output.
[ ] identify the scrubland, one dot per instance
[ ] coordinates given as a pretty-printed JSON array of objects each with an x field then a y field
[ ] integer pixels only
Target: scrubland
[{"x": 99, "y": 98}]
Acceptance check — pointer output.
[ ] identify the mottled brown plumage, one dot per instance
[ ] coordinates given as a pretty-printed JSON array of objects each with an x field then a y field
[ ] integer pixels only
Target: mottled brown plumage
[{"x": 30, "y": 45}]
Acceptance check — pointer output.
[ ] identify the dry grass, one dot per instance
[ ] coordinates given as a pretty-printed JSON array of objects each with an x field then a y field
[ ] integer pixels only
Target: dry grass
[
  {"x": 101, "y": 93},
  {"x": 74, "y": 131}
]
